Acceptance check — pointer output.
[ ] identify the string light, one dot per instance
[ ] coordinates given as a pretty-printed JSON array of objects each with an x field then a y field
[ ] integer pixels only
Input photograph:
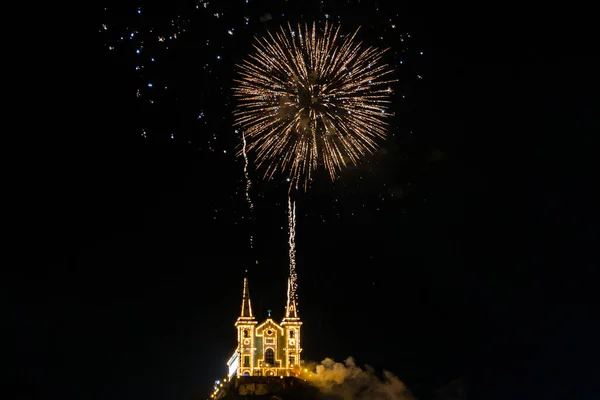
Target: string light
[{"x": 255, "y": 340}]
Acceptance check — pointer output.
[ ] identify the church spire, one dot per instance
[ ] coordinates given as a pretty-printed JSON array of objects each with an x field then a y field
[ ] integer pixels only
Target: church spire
[
  {"x": 246, "y": 304},
  {"x": 290, "y": 308}
]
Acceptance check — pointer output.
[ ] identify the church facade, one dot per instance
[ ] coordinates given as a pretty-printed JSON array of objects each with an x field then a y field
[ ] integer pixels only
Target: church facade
[{"x": 267, "y": 348}]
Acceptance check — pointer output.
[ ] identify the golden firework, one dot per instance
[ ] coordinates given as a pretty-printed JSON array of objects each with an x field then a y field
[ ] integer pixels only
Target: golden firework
[{"x": 311, "y": 97}]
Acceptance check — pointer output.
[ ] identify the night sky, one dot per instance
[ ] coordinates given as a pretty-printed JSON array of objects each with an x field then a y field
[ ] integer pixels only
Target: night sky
[{"x": 462, "y": 248}]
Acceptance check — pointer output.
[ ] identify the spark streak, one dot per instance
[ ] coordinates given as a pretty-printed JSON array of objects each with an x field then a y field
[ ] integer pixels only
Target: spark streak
[
  {"x": 248, "y": 185},
  {"x": 293, "y": 284}
]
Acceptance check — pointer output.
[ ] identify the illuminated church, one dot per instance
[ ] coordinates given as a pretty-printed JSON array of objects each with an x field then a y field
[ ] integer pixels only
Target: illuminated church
[{"x": 267, "y": 348}]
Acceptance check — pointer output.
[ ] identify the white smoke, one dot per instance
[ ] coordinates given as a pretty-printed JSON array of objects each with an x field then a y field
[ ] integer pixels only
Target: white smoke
[{"x": 350, "y": 382}]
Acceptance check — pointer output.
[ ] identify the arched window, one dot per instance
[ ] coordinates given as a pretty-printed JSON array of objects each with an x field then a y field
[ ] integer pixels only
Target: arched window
[
  {"x": 270, "y": 356},
  {"x": 292, "y": 334},
  {"x": 246, "y": 333}
]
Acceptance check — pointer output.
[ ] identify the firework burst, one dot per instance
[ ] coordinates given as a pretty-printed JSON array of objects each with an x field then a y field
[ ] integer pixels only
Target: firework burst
[{"x": 310, "y": 97}]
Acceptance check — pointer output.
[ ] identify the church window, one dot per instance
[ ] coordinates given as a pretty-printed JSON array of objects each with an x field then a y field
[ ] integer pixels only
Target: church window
[
  {"x": 246, "y": 361},
  {"x": 269, "y": 332},
  {"x": 270, "y": 356},
  {"x": 246, "y": 333},
  {"x": 292, "y": 333},
  {"x": 292, "y": 360}
]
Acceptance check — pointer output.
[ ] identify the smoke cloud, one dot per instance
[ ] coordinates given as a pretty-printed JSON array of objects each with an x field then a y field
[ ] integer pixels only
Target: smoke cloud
[{"x": 350, "y": 382}]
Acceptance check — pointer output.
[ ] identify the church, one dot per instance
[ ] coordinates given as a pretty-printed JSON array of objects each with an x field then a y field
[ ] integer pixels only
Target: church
[{"x": 267, "y": 348}]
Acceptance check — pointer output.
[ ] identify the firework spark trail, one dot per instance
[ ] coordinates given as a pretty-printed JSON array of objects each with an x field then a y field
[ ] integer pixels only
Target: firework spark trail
[
  {"x": 248, "y": 185},
  {"x": 292, "y": 284},
  {"x": 307, "y": 98}
]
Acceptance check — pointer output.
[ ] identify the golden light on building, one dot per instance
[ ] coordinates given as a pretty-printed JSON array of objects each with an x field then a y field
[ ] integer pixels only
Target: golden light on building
[{"x": 269, "y": 348}]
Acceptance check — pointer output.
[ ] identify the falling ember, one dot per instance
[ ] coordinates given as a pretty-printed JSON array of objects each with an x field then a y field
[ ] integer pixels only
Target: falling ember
[
  {"x": 248, "y": 185},
  {"x": 292, "y": 284},
  {"x": 308, "y": 98}
]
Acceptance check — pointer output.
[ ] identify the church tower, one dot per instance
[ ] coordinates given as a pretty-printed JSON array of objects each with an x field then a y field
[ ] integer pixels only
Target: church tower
[
  {"x": 245, "y": 324},
  {"x": 291, "y": 324}
]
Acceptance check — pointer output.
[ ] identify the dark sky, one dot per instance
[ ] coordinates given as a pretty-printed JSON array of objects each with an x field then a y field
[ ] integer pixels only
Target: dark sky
[{"x": 461, "y": 249}]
